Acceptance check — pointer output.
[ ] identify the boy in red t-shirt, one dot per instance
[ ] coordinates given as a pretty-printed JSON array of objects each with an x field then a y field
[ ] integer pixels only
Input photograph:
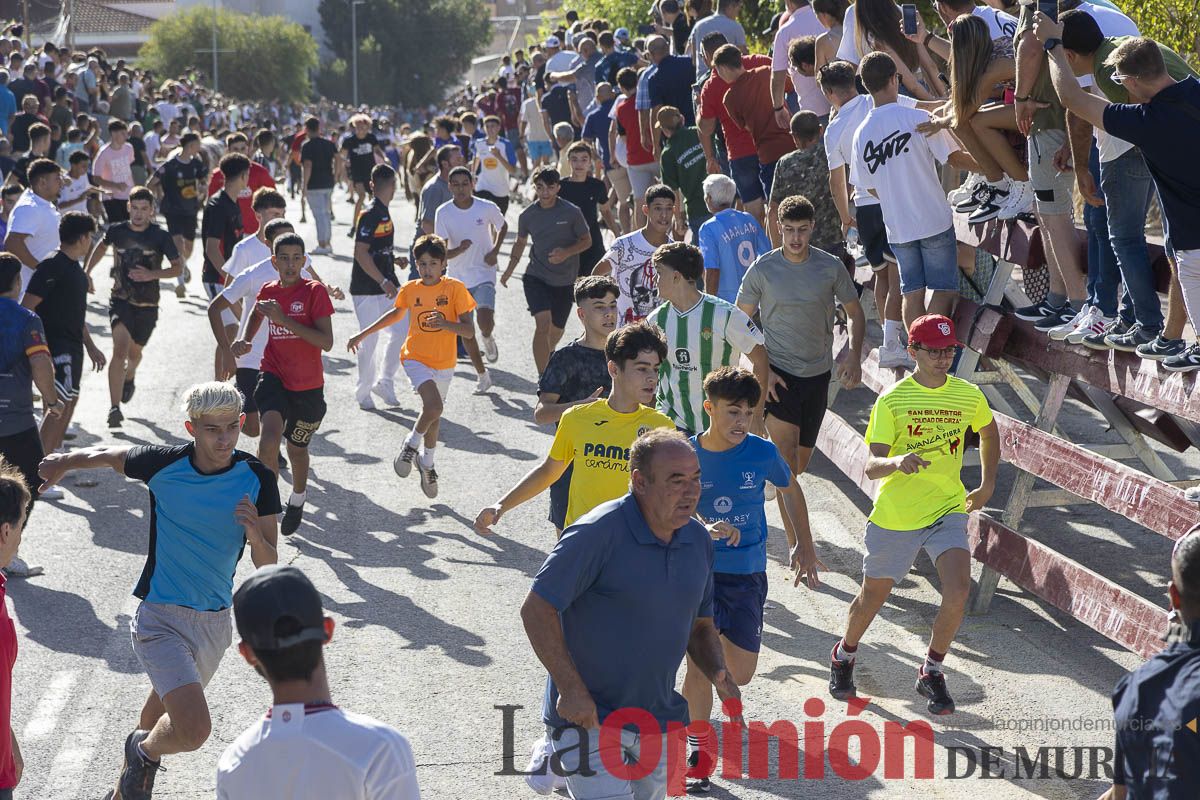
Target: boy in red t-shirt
[
  {"x": 14, "y": 505},
  {"x": 441, "y": 308},
  {"x": 291, "y": 384}
]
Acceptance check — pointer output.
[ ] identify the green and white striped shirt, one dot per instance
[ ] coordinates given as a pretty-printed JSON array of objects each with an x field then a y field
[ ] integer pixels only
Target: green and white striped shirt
[{"x": 712, "y": 334}]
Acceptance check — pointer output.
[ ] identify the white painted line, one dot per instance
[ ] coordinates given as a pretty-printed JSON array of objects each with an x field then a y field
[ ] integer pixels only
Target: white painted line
[{"x": 51, "y": 704}]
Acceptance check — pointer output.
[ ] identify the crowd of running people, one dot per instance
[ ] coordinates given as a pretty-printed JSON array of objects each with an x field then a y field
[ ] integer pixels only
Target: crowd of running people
[{"x": 699, "y": 211}]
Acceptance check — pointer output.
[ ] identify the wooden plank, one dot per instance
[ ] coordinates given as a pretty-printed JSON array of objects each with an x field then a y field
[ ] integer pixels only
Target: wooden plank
[
  {"x": 984, "y": 330},
  {"x": 844, "y": 446},
  {"x": 1126, "y": 618}
]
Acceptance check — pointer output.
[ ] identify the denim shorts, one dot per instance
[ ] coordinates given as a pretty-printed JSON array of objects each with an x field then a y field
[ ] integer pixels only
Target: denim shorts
[
  {"x": 929, "y": 263},
  {"x": 766, "y": 176},
  {"x": 744, "y": 172},
  {"x": 484, "y": 294},
  {"x": 539, "y": 149}
]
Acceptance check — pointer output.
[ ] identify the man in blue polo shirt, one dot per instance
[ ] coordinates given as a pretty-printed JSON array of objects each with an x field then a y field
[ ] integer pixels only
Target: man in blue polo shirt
[
  {"x": 1164, "y": 121},
  {"x": 734, "y": 468},
  {"x": 586, "y": 617},
  {"x": 208, "y": 501}
]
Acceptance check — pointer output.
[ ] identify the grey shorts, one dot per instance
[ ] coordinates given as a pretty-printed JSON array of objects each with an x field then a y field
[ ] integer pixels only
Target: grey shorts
[
  {"x": 890, "y": 554},
  {"x": 592, "y": 781},
  {"x": 177, "y": 646},
  {"x": 1051, "y": 188}
]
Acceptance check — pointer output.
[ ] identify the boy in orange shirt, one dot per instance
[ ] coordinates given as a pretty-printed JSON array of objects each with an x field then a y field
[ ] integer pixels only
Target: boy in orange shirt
[{"x": 441, "y": 309}]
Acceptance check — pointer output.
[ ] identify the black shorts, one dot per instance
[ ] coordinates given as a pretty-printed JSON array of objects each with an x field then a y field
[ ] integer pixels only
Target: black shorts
[
  {"x": 68, "y": 370},
  {"x": 502, "y": 202},
  {"x": 873, "y": 236},
  {"x": 246, "y": 380},
  {"x": 138, "y": 320},
  {"x": 560, "y": 493},
  {"x": 302, "y": 412},
  {"x": 361, "y": 181},
  {"x": 558, "y": 300},
  {"x": 738, "y": 602},
  {"x": 24, "y": 451},
  {"x": 116, "y": 210},
  {"x": 182, "y": 225},
  {"x": 802, "y": 402}
]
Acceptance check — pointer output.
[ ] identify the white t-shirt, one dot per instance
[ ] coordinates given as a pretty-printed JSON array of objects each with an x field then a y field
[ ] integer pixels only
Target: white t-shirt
[
  {"x": 999, "y": 23},
  {"x": 839, "y": 138},
  {"x": 629, "y": 256},
  {"x": 535, "y": 127},
  {"x": 492, "y": 177},
  {"x": 848, "y": 49},
  {"x": 153, "y": 143},
  {"x": 802, "y": 23},
  {"x": 315, "y": 753},
  {"x": 70, "y": 197},
  {"x": 245, "y": 254},
  {"x": 476, "y": 223},
  {"x": 167, "y": 112},
  {"x": 38, "y": 219},
  {"x": 245, "y": 287},
  {"x": 1111, "y": 23},
  {"x": 560, "y": 61},
  {"x": 898, "y": 163}
]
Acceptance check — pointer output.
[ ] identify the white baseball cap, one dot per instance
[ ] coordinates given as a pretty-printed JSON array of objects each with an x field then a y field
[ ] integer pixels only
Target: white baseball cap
[{"x": 552, "y": 41}]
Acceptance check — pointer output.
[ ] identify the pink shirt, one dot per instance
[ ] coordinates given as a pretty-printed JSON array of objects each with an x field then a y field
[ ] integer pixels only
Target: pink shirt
[
  {"x": 116, "y": 165},
  {"x": 802, "y": 23}
]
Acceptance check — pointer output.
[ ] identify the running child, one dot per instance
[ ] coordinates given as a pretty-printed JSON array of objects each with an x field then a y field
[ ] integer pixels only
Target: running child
[{"x": 441, "y": 308}]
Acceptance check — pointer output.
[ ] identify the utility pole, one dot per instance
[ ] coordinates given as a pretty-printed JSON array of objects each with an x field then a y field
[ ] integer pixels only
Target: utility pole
[
  {"x": 216, "y": 80},
  {"x": 25, "y": 24},
  {"x": 354, "y": 4}
]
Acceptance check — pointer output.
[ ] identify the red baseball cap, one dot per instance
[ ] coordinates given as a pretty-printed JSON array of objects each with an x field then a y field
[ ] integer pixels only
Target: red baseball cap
[{"x": 933, "y": 331}]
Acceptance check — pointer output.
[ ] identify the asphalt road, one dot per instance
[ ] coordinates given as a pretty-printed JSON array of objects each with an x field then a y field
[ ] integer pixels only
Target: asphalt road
[{"x": 429, "y": 638}]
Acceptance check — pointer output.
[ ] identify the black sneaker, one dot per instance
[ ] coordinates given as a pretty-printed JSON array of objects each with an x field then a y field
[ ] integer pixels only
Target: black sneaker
[
  {"x": 698, "y": 784},
  {"x": 137, "y": 776},
  {"x": 404, "y": 462},
  {"x": 1187, "y": 361},
  {"x": 1161, "y": 348},
  {"x": 989, "y": 205},
  {"x": 115, "y": 417},
  {"x": 1035, "y": 312},
  {"x": 841, "y": 678},
  {"x": 292, "y": 515},
  {"x": 932, "y": 685},
  {"x": 1060, "y": 316},
  {"x": 127, "y": 391},
  {"x": 1099, "y": 341},
  {"x": 1130, "y": 340},
  {"x": 976, "y": 199}
]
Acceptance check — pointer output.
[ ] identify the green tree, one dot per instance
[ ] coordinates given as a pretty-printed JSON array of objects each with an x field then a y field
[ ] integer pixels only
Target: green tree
[
  {"x": 410, "y": 51},
  {"x": 1175, "y": 23},
  {"x": 262, "y": 58}
]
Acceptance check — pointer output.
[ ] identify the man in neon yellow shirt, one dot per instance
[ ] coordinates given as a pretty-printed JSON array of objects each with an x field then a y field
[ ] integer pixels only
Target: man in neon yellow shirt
[{"x": 916, "y": 435}]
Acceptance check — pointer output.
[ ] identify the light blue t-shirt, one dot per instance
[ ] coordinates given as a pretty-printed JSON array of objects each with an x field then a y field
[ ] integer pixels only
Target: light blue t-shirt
[
  {"x": 730, "y": 242},
  {"x": 731, "y": 490},
  {"x": 8, "y": 107},
  {"x": 195, "y": 540}
]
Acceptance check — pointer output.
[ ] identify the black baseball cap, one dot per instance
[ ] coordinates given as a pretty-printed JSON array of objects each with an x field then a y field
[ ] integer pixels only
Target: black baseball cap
[
  {"x": 774, "y": 26},
  {"x": 275, "y": 594}
]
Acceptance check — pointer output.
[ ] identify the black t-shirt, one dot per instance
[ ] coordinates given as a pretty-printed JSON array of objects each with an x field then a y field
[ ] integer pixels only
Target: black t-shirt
[
  {"x": 681, "y": 29},
  {"x": 144, "y": 249},
  {"x": 139, "y": 151},
  {"x": 376, "y": 230},
  {"x": 589, "y": 195},
  {"x": 21, "y": 168},
  {"x": 574, "y": 372},
  {"x": 222, "y": 220},
  {"x": 557, "y": 104},
  {"x": 362, "y": 156},
  {"x": 62, "y": 284},
  {"x": 320, "y": 152},
  {"x": 20, "y": 130},
  {"x": 180, "y": 182}
]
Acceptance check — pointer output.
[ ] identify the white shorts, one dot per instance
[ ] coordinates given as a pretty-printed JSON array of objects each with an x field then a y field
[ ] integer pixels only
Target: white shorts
[{"x": 418, "y": 373}]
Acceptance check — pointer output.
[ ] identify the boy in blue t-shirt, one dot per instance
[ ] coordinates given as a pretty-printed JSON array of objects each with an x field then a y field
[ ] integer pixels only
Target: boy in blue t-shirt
[{"x": 734, "y": 468}]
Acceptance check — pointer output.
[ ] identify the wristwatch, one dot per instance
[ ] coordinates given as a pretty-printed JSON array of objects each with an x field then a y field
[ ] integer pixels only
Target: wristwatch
[
  {"x": 1024, "y": 99},
  {"x": 1051, "y": 44}
]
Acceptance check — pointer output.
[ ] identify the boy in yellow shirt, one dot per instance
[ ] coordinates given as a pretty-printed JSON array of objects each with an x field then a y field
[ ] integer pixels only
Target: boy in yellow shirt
[
  {"x": 916, "y": 435},
  {"x": 441, "y": 308}
]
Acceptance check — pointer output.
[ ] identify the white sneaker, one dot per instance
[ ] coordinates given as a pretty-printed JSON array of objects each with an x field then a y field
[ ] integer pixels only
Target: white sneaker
[
  {"x": 894, "y": 358},
  {"x": 539, "y": 760},
  {"x": 19, "y": 568},
  {"x": 483, "y": 382},
  {"x": 386, "y": 392},
  {"x": 321, "y": 251},
  {"x": 53, "y": 493},
  {"x": 366, "y": 403},
  {"x": 1082, "y": 319},
  {"x": 965, "y": 191},
  {"x": 490, "y": 351},
  {"x": 1019, "y": 200},
  {"x": 1096, "y": 324},
  {"x": 1192, "y": 494}
]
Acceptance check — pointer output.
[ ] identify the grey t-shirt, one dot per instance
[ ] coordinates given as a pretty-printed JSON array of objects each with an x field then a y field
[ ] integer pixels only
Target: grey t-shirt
[
  {"x": 435, "y": 192},
  {"x": 796, "y": 303},
  {"x": 561, "y": 225},
  {"x": 735, "y": 34}
]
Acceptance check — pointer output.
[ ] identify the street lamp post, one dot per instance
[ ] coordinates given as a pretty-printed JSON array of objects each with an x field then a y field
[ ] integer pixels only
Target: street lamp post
[{"x": 354, "y": 4}]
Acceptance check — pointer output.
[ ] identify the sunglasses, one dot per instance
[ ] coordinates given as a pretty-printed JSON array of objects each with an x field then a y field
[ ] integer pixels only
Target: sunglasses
[{"x": 1119, "y": 78}]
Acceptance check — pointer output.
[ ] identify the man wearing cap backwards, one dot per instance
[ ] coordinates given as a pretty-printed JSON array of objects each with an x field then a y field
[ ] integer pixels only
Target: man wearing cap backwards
[
  {"x": 208, "y": 501},
  {"x": 304, "y": 746},
  {"x": 916, "y": 435}
]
